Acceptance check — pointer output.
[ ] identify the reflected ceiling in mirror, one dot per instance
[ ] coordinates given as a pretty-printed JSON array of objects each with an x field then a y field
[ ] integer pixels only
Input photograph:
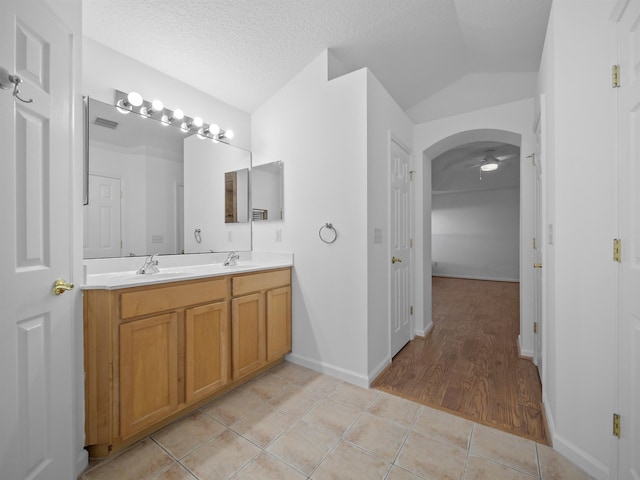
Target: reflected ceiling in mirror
[{"x": 136, "y": 186}]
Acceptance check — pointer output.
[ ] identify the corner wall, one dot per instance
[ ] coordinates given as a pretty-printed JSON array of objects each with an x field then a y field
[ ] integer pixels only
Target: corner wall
[
  {"x": 318, "y": 129},
  {"x": 385, "y": 122}
]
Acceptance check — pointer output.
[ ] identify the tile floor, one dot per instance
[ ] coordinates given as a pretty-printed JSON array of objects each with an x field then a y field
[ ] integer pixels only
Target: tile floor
[{"x": 292, "y": 423}]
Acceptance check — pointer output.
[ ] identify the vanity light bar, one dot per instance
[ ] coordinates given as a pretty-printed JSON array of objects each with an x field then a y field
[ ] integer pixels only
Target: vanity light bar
[{"x": 133, "y": 102}]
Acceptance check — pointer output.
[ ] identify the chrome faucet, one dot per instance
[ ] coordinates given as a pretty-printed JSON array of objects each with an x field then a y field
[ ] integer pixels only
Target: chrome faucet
[
  {"x": 150, "y": 265},
  {"x": 231, "y": 260}
]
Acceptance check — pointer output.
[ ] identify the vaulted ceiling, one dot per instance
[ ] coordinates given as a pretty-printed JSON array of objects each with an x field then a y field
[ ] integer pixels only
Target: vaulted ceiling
[{"x": 243, "y": 51}]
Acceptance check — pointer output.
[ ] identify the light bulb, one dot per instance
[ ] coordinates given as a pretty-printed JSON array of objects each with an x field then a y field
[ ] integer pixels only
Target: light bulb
[
  {"x": 134, "y": 98},
  {"x": 197, "y": 122},
  {"x": 213, "y": 129},
  {"x": 229, "y": 134},
  {"x": 157, "y": 105},
  {"x": 177, "y": 114}
]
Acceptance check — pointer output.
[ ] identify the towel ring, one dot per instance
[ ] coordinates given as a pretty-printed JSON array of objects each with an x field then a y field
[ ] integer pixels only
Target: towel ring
[{"x": 327, "y": 233}]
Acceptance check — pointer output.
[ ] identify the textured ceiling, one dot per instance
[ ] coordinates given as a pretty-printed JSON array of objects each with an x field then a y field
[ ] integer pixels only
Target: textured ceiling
[{"x": 243, "y": 51}]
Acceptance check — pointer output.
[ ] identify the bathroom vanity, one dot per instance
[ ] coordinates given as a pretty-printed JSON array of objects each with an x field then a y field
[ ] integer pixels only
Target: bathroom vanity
[{"x": 160, "y": 347}]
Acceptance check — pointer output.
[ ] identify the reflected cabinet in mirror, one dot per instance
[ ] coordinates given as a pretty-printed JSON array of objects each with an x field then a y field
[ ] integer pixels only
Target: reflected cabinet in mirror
[
  {"x": 267, "y": 192},
  {"x": 151, "y": 186}
]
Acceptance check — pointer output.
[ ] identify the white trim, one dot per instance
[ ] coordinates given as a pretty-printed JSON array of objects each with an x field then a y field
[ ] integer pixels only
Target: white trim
[
  {"x": 579, "y": 457},
  {"x": 342, "y": 373},
  {"x": 523, "y": 352},
  {"x": 378, "y": 370},
  {"x": 476, "y": 277},
  {"x": 424, "y": 332}
]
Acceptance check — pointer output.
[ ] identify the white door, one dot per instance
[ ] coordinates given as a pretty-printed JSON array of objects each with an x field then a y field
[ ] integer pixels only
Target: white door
[
  {"x": 102, "y": 218},
  {"x": 629, "y": 138},
  {"x": 400, "y": 234},
  {"x": 36, "y": 398},
  {"x": 537, "y": 248}
]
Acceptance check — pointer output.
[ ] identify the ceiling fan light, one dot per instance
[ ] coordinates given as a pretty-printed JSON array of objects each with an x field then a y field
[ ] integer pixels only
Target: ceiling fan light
[{"x": 489, "y": 167}]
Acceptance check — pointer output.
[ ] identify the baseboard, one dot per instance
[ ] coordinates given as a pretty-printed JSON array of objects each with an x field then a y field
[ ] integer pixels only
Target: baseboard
[
  {"x": 476, "y": 277},
  {"x": 524, "y": 353},
  {"x": 82, "y": 462},
  {"x": 342, "y": 373},
  {"x": 423, "y": 333},
  {"x": 579, "y": 457},
  {"x": 582, "y": 459},
  {"x": 378, "y": 370}
]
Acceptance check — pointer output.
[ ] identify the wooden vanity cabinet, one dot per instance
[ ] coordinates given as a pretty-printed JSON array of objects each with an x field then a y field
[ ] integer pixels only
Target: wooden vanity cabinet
[
  {"x": 154, "y": 353},
  {"x": 260, "y": 320}
]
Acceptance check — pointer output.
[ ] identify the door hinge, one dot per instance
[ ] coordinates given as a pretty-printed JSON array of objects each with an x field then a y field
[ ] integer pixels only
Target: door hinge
[
  {"x": 411, "y": 243},
  {"x": 411, "y": 172},
  {"x": 411, "y": 310},
  {"x": 617, "y": 250},
  {"x": 616, "y": 425},
  {"x": 535, "y": 327},
  {"x": 615, "y": 76},
  {"x": 535, "y": 246}
]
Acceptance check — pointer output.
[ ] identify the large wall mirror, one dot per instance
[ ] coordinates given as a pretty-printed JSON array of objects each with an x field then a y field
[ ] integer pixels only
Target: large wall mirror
[{"x": 154, "y": 189}]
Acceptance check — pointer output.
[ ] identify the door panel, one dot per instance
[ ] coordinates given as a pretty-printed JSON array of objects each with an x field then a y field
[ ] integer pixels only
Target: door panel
[
  {"x": 629, "y": 135},
  {"x": 148, "y": 371},
  {"x": 207, "y": 350},
  {"x": 400, "y": 295},
  {"x": 37, "y": 398},
  {"x": 102, "y": 218}
]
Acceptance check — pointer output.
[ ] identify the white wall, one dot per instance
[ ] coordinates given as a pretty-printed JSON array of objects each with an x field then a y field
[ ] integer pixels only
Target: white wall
[
  {"x": 476, "y": 234},
  {"x": 205, "y": 164},
  {"x": 318, "y": 129},
  {"x": 105, "y": 70},
  {"x": 147, "y": 182},
  {"x": 493, "y": 123},
  {"x": 580, "y": 276},
  {"x": 385, "y": 121}
]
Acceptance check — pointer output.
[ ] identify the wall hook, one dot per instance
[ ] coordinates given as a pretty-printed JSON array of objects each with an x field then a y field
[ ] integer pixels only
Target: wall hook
[{"x": 8, "y": 80}]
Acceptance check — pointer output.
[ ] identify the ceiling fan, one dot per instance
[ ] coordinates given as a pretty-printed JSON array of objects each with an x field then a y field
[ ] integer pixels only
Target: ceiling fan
[{"x": 489, "y": 161}]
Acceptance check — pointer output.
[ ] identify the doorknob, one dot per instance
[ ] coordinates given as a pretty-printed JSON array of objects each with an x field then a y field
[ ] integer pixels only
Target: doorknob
[
  {"x": 537, "y": 265},
  {"x": 61, "y": 286},
  {"x": 395, "y": 260}
]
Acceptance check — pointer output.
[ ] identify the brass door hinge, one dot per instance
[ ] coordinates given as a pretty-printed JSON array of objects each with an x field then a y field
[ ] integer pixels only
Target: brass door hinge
[
  {"x": 534, "y": 243},
  {"x": 535, "y": 327},
  {"x": 411, "y": 310},
  {"x": 616, "y": 425},
  {"x": 411, "y": 172},
  {"x": 411, "y": 243},
  {"x": 617, "y": 250},
  {"x": 615, "y": 76}
]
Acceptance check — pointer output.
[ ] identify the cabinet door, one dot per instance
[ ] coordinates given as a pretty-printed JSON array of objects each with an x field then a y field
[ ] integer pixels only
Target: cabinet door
[
  {"x": 248, "y": 334},
  {"x": 148, "y": 371},
  {"x": 278, "y": 322},
  {"x": 207, "y": 350}
]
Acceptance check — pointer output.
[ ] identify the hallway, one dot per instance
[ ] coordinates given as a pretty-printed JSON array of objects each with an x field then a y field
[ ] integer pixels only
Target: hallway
[{"x": 468, "y": 363}]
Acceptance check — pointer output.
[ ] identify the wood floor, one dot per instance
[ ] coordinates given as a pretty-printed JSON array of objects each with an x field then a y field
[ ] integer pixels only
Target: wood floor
[{"x": 468, "y": 363}]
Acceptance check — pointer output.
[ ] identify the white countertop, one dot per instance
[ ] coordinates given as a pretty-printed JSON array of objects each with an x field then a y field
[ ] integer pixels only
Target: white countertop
[{"x": 100, "y": 278}]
